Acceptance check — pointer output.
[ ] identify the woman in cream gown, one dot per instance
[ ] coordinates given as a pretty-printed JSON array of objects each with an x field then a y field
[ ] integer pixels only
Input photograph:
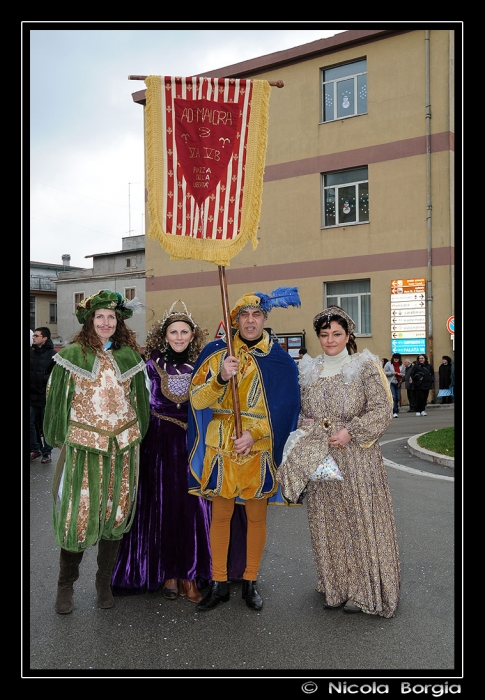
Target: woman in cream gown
[{"x": 346, "y": 407}]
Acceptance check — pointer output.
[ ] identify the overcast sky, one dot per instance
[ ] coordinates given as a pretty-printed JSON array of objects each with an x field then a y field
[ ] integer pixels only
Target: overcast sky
[{"x": 86, "y": 133}]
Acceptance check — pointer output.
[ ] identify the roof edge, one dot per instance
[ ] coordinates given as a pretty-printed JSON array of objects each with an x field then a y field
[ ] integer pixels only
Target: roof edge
[{"x": 303, "y": 52}]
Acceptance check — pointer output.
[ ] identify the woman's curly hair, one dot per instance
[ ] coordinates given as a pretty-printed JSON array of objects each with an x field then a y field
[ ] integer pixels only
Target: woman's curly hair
[
  {"x": 156, "y": 336},
  {"x": 88, "y": 338}
]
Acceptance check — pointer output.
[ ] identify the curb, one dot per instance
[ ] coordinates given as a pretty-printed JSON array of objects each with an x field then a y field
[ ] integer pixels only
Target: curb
[{"x": 427, "y": 455}]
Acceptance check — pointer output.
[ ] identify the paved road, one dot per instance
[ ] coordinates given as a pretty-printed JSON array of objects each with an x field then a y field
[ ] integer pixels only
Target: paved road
[{"x": 293, "y": 637}]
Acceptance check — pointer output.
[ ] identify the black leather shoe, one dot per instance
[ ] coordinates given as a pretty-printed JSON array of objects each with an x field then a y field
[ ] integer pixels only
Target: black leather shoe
[
  {"x": 251, "y": 595},
  {"x": 218, "y": 592}
]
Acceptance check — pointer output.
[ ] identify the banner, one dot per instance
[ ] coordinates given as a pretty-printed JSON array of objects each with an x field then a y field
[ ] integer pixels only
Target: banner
[{"x": 206, "y": 144}]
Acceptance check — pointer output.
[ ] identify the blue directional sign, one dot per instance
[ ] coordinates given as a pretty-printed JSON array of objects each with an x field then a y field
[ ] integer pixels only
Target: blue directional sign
[{"x": 409, "y": 346}]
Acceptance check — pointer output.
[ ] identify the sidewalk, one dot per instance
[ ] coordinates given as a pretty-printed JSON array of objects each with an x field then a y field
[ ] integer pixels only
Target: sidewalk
[{"x": 427, "y": 455}]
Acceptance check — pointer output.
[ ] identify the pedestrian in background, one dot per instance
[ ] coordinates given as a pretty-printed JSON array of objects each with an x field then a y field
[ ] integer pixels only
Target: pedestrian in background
[
  {"x": 408, "y": 384},
  {"x": 302, "y": 352},
  {"x": 445, "y": 392},
  {"x": 97, "y": 412},
  {"x": 422, "y": 376},
  {"x": 394, "y": 371},
  {"x": 41, "y": 364}
]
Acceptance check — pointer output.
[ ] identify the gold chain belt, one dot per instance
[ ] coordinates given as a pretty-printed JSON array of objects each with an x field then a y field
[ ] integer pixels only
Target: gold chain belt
[{"x": 172, "y": 420}]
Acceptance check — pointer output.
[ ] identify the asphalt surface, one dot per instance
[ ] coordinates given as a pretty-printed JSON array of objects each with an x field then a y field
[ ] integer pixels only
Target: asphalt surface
[{"x": 292, "y": 637}]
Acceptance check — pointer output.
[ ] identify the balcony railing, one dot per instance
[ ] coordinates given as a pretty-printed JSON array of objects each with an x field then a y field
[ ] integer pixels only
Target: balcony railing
[{"x": 42, "y": 284}]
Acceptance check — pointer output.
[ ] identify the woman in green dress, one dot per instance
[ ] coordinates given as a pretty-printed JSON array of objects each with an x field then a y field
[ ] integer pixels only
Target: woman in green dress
[{"x": 97, "y": 412}]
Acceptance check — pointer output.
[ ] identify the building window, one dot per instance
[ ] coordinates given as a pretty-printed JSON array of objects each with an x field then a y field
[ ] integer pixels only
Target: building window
[
  {"x": 52, "y": 312},
  {"x": 353, "y": 296},
  {"x": 344, "y": 91},
  {"x": 345, "y": 196},
  {"x": 130, "y": 292},
  {"x": 32, "y": 313},
  {"x": 78, "y": 298},
  {"x": 131, "y": 262}
]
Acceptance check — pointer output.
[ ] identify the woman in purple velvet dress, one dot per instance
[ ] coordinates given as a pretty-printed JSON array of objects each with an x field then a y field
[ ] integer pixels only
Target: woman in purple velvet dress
[{"x": 168, "y": 544}]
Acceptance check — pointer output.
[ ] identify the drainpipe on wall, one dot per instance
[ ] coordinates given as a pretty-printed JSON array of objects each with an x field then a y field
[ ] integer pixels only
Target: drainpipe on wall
[{"x": 429, "y": 286}]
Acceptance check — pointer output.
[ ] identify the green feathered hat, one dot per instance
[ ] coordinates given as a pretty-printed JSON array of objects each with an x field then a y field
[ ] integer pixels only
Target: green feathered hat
[{"x": 106, "y": 299}]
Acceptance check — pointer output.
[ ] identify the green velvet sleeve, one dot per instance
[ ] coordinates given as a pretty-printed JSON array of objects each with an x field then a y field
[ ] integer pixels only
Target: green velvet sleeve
[
  {"x": 60, "y": 390},
  {"x": 140, "y": 400}
]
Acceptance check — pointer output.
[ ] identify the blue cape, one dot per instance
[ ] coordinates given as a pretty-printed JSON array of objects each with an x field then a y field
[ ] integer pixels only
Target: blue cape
[{"x": 279, "y": 374}]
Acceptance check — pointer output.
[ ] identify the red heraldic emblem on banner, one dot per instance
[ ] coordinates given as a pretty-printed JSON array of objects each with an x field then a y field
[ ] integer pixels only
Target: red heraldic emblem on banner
[{"x": 205, "y": 150}]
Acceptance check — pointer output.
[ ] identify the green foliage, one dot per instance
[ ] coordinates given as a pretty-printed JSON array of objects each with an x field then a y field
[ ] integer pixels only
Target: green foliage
[{"x": 440, "y": 441}]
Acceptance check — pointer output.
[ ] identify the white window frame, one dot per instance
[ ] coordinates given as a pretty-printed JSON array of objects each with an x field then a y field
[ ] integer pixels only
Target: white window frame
[
  {"x": 356, "y": 302},
  {"x": 347, "y": 72},
  {"x": 131, "y": 261},
  {"x": 338, "y": 188},
  {"x": 130, "y": 293}
]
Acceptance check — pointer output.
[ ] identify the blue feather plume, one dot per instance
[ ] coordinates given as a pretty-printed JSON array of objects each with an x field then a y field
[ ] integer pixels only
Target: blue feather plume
[{"x": 281, "y": 297}]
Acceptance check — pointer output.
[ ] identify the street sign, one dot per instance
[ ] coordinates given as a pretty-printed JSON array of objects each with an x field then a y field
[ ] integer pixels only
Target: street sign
[
  {"x": 401, "y": 326},
  {"x": 407, "y": 334},
  {"x": 408, "y": 315},
  {"x": 220, "y": 332},
  {"x": 401, "y": 314},
  {"x": 450, "y": 325},
  {"x": 416, "y": 282},
  {"x": 409, "y": 346},
  {"x": 398, "y": 303},
  {"x": 407, "y": 294}
]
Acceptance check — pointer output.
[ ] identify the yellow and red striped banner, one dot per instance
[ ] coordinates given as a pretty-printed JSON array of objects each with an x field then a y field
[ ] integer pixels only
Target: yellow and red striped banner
[{"x": 205, "y": 150}]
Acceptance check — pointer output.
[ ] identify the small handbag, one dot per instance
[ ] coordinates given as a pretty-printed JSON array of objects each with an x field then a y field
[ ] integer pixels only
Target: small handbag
[
  {"x": 305, "y": 458},
  {"x": 327, "y": 471}
]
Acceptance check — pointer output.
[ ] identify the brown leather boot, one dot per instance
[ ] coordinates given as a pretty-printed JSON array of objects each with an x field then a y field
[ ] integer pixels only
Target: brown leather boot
[
  {"x": 107, "y": 551},
  {"x": 68, "y": 573},
  {"x": 170, "y": 589},
  {"x": 189, "y": 589}
]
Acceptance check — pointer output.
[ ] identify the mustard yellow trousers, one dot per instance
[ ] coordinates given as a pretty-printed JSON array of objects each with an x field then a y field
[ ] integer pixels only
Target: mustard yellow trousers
[{"x": 220, "y": 531}]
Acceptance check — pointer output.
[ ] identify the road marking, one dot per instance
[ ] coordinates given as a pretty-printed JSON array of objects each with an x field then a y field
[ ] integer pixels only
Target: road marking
[{"x": 403, "y": 468}]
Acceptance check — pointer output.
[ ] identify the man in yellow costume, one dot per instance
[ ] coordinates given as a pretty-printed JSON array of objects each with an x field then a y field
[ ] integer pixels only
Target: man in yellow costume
[{"x": 231, "y": 470}]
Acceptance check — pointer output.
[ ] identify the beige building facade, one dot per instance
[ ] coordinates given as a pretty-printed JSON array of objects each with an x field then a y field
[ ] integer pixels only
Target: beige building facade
[{"x": 358, "y": 194}]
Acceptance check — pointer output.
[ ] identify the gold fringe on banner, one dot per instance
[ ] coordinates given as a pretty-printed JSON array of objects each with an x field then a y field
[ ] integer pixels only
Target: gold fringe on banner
[{"x": 183, "y": 247}]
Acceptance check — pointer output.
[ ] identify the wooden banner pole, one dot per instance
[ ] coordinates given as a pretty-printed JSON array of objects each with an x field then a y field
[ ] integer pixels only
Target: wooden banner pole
[
  {"x": 273, "y": 83},
  {"x": 230, "y": 350}
]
